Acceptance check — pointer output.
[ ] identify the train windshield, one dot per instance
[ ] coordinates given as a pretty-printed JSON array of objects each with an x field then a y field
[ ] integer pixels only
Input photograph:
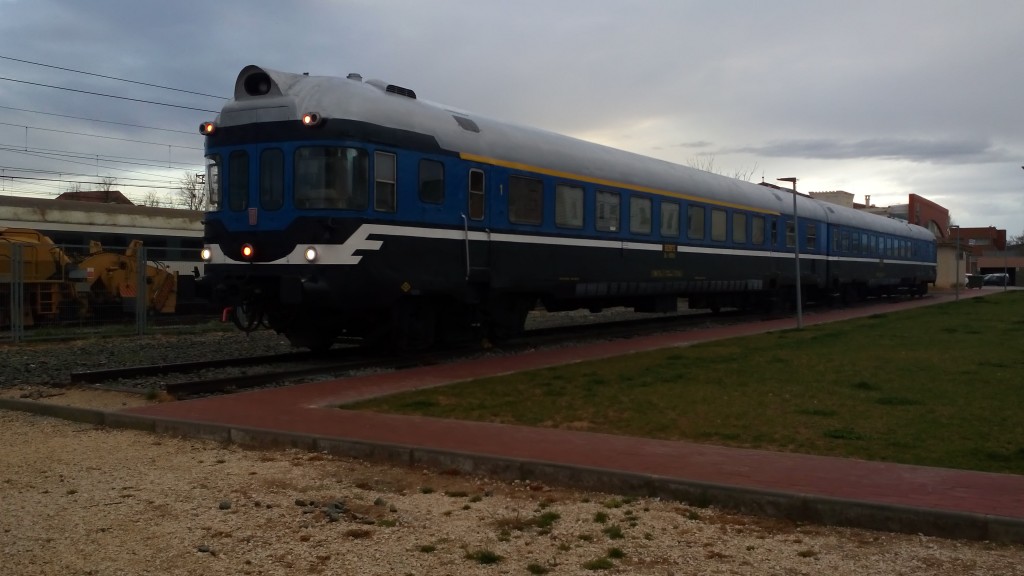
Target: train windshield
[{"x": 329, "y": 177}]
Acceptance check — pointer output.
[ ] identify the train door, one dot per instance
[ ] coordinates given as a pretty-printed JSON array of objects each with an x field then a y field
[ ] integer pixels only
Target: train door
[{"x": 475, "y": 221}]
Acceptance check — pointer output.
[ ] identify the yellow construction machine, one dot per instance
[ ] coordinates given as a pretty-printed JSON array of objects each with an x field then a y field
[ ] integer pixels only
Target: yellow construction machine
[{"x": 57, "y": 286}]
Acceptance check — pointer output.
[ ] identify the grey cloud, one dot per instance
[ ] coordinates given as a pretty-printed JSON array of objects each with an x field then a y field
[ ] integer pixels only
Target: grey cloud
[{"x": 962, "y": 151}]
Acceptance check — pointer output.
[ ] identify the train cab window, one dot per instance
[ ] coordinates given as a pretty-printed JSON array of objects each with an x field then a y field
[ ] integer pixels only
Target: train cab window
[
  {"x": 476, "y": 194},
  {"x": 431, "y": 182},
  {"x": 271, "y": 179},
  {"x": 695, "y": 222},
  {"x": 607, "y": 211},
  {"x": 670, "y": 219},
  {"x": 384, "y": 182},
  {"x": 790, "y": 234},
  {"x": 719, "y": 222},
  {"x": 757, "y": 230},
  {"x": 812, "y": 236},
  {"x": 639, "y": 215},
  {"x": 525, "y": 200},
  {"x": 238, "y": 180},
  {"x": 213, "y": 179},
  {"x": 568, "y": 206},
  {"x": 739, "y": 228},
  {"x": 329, "y": 177}
]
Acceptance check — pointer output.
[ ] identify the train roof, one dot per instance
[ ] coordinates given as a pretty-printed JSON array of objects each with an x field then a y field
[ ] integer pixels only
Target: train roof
[
  {"x": 262, "y": 94},
  {"x": 51, "y": 214}
]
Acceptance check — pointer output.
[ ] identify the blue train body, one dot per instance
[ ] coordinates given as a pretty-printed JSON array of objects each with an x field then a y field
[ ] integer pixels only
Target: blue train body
[{"x": 343, "y": 207}]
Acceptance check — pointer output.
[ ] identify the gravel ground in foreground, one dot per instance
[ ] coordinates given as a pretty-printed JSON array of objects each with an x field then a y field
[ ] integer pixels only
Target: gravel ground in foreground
[{"x": 82, "y": 500}]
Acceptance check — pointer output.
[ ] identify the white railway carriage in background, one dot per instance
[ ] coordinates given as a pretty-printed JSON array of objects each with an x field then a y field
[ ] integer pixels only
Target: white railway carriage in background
[
  {"x": 171, "y": 236},
  {"x": 343, "y": 207}
]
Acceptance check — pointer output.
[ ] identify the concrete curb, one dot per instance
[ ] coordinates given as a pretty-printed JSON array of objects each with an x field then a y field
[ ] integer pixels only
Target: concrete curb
[{"x": 791, "y": 506}]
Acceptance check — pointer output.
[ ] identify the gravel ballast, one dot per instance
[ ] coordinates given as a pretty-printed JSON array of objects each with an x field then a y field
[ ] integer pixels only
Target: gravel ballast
[{"x": 82, "y": 500}]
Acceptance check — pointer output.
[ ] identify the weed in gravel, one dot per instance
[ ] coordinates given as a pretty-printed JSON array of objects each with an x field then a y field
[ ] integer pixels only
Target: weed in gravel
[
  {"x": 537, "y": 569},
  {"x": 428, "y": 548},
  {"x": 614, "y": 532},
  {"x": 602, "y": 563},
  {"x": 807, "y": 553},
  {"x": 484, "y": 556},
  {"x": 358, "y": 533},
  {"x": 600, "y": 517}
]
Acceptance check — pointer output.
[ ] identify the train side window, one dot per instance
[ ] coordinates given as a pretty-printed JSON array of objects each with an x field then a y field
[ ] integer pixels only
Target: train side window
[
  {"x": 695, "y": 222},
  {"x": 812, "y": 236},
  {"x": 719, "y": 222},
  {"x": 790, "y": 234},
  {"x": 863, "y": 242},
  {"x": 271, "y": 179},
  {"x": 639, "y": 215},
  {"x": 213, "y": 179},
  {"x": 739, "y": 228},
  {"x": 670, "y": 219},
  {"x": 773, "y": 234},
  {"x": 476, "y": 194},
  {"x": 757, "y": 230},
  {"x": 846, "y": 240},
  {"x": 568, "y": 206},
  {"x": 607, "y": 211},
  {"x": 238, "y": 180},
  {"x": 525, "y": 200},
  {"x": 431, "y": 182},
  {"x": 384, "y": 182}
]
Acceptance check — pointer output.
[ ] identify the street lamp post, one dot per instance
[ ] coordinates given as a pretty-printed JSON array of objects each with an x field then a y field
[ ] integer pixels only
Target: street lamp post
[
  {"x": 956, "y": 262},
  {"x": 796, "y": 255}
]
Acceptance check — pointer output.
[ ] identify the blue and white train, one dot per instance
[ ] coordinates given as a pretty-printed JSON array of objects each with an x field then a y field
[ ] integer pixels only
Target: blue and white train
[{"x": 343, "y": 207}]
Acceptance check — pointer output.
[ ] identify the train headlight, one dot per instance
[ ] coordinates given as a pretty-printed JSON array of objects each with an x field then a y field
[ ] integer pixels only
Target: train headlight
[
  {"x": 207, "y": 128},
  {"x": 310, "y": 254},
  {"x": 311, "y": 119},
  {"x": 205, "y": 254},
  {"x": 247, "y": 251}
]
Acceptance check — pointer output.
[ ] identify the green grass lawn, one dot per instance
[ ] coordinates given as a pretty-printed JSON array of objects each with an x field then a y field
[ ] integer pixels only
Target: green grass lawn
[{"x": 938, "y": 386}]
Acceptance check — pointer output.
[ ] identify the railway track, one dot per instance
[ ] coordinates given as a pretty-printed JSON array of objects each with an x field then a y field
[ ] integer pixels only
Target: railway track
[{"x": 236, "y": 374}]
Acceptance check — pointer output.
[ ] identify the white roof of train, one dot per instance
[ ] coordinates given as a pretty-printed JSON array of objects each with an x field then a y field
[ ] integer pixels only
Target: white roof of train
[{"x": 292, "y": 95}]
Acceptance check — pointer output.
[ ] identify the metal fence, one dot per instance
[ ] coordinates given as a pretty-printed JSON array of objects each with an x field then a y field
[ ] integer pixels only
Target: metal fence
[{"x": 50, "y": 293}]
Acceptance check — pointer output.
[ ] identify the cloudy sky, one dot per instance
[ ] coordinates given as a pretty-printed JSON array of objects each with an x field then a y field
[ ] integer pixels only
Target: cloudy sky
[{"x": 878, "y": 98}]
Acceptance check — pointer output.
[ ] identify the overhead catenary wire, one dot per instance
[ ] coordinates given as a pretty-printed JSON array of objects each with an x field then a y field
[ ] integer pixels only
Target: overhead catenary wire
[
  {"x": 111, "y": 77},
  {"x": 190, "y": 132},
  {"x": 108, "y": 95},
  {"x": 114, "y": 166},
  {"x": 99, "y": 136}
]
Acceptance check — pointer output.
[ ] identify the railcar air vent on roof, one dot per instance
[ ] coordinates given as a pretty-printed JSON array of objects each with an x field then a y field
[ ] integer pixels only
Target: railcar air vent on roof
[
  {"x": 400, "y": 91},
  {"x": 467, "y": 124}
]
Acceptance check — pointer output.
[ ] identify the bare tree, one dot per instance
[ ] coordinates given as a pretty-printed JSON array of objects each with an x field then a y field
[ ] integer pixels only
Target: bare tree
[
  {"x": 107, "y": 184},
  {"x": 707, "y": 163},
  {"x": 151, "y": 199},
  {"x": 73, "y": 187},
  {"x": 191, "y": 191},
  {"x": 1015, "y": 240}
]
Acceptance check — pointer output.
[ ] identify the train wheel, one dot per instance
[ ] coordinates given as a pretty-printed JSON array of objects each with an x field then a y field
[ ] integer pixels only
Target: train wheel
[
  {"x": 505, "y": 316},
  {"x": 413, "y": 325}
]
